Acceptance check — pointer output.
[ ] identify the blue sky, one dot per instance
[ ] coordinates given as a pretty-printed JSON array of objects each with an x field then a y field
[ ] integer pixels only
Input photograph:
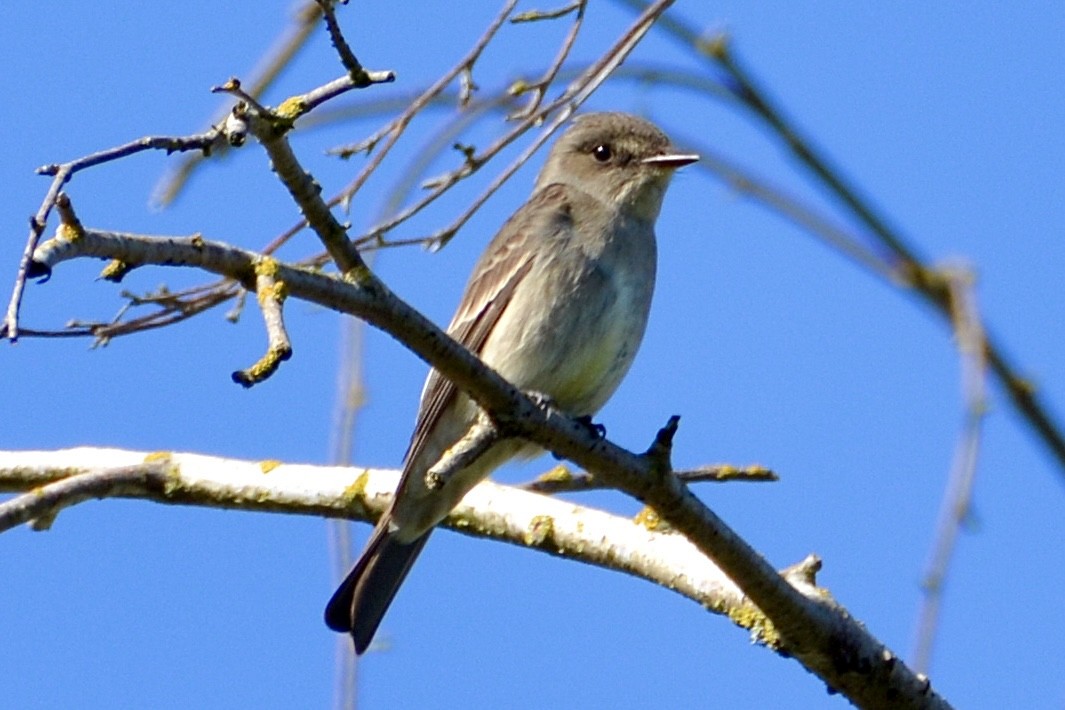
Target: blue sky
[{"x": 772, "y": 348}]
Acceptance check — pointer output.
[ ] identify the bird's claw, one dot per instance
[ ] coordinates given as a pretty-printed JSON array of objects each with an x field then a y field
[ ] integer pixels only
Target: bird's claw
[
  {"x": 542, "y": 399},
  {"x": 597, "y": 430}
]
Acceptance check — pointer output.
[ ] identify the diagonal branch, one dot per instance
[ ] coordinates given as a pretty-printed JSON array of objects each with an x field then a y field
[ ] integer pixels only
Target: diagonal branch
[
  {"x": 915, "y": 272},
  {"x": 820, "y": 635}
]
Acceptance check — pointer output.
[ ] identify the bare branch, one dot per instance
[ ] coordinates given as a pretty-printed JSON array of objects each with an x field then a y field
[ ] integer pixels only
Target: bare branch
[
  {"x": 561, "y": 480},
  {"x": 540, "y": 86},
  {"x": 347, "y": 57},
  {"x": 955, "y": 508},
  {"x": 271, "y": 293},
  {"x": 41, "y": 505},
  {"x": 807, "y": 630},
  {"x": 474, "y": 443},
  {"x": 269, "y": 67},
  {"x": 792, "y": 209},
  {"x": 73, "y": 476},
  {"x": 914, "y": 270},
  {"x": 489, "y": 510},
  {"x": 270, "y": 129},
  {"x": 62, "y": 173}
]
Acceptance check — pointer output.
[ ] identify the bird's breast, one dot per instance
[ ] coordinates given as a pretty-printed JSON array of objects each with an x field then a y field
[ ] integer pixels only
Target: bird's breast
[{"x": 573, "y": 333}]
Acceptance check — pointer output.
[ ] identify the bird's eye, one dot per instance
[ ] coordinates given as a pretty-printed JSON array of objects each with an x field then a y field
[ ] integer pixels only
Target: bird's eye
[{"x": 602, "y": 152}]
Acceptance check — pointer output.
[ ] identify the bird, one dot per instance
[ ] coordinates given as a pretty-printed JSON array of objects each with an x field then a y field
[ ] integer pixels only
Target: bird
[{"x": 557, "y": 304}]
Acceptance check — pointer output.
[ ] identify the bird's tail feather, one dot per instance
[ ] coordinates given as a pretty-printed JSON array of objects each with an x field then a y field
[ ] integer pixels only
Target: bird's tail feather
[{"x": 361, "y": 600}]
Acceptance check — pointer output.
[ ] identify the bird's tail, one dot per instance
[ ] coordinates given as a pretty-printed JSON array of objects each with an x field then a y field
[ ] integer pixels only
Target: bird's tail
[{"x": 361, "y": 600}]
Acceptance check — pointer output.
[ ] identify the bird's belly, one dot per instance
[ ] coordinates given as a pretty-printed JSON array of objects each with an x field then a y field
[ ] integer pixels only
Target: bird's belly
[
  {"x": 578, "y": 351},
  {"x": 594, "y": 365}
]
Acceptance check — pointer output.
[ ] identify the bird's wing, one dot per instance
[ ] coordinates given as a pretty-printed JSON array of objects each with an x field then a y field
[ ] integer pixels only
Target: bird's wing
[{"x": 504, "y": 264}]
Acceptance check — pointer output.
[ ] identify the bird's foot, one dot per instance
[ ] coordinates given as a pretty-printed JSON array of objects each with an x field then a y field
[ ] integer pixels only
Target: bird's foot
[
  {"x": 542, "y": 399},
  {"x": 597, "y": 430}
]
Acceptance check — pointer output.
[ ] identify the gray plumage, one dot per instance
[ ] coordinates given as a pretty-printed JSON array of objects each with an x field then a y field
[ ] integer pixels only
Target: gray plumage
[{"x": 557, "y": 304}]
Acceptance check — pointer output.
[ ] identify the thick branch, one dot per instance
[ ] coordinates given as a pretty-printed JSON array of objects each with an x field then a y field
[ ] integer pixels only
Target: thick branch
[{"x": 51, "y": 481}]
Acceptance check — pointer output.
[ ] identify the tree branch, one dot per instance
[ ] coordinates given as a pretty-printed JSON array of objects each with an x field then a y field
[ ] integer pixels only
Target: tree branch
[
  {"x": 59, "y": 479},
  {"x": 912, "y": 269},
  {"x": 787, "y": 613},
  {"x": 826, "y": 640}
]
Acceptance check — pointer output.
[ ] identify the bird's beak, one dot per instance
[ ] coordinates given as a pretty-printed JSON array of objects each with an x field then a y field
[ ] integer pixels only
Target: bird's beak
[{"x": 671, "y": 161}]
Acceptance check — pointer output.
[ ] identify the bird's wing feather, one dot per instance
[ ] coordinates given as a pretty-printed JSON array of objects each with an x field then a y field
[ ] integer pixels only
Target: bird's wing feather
[{"x": 505, "y": 263}]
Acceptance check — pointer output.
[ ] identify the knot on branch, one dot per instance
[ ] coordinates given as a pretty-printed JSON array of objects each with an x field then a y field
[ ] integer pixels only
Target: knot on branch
[
  {"x": 659, "y": 454},
  {"x": 70, "y": 227}
]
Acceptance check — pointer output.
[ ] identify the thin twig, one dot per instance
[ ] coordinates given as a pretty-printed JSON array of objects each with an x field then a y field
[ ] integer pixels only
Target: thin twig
[
  {"x": 350, "y": 399},
  {"x": 540, "y": 86},
  {"x": 267, "y": 69},
  {"x": 43, "y": 504},
  {"x": 62, "y": 173},
  {"x": 271, "y": 294},
  {"x": 913, "y": 269},
  {"x": 566, "y": 105},
  {"x": 791, "y": 208},
  {"x": 955, "y": 508},
  {"x": 395, "y": 128},
  {"x": 561, "y": 480},
  {"x": 477, "y": 440},
  {"x": 347, "y": 57}
]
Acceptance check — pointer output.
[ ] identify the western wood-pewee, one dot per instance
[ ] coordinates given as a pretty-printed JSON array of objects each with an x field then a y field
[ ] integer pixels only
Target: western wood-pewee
[{"x": 557, "y": 305}]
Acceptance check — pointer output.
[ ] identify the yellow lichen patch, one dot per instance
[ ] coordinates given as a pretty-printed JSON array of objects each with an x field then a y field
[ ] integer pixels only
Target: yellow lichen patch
[
  {"x": 276, "y": 292},
  {"x": 559, "y": 474},
  {"x": 648, "y": 517},
  {"x": 269, "y": 465},
  {"x": 762, "y": 629},
  {"x": 69, "y": 232},
  {"x": 716, "y": 606},
  {"x": 716, "y": 46},
  {"x": 292, "y": 108},
  {"x": 745, "y": 615},
  {"x": 540, "y": 531},
  {"x": 358, "y": 487},
  {"x": 115, "y": 270},
  {"x": 518, "y": 88},
  {"x": 267, "y": 266},
  {"x": 158, "y": 456}
]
